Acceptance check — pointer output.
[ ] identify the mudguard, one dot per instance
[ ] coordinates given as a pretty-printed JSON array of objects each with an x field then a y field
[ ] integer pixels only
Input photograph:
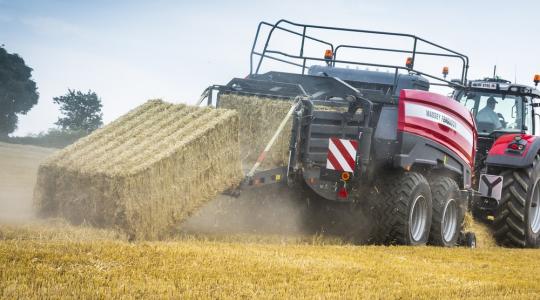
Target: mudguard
[
  {"x": 435, "y": 130},
  {"x": 501, "y": 155}
]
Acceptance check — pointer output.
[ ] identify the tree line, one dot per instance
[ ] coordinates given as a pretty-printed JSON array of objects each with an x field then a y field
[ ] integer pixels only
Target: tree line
[{"x": 80, "y": 111}]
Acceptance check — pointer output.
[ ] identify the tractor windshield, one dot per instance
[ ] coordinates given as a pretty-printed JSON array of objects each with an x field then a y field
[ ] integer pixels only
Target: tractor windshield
[{"x": 494, "y": 111}]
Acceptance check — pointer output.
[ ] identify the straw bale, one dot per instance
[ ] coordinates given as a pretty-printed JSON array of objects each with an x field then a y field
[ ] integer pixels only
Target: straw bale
[
  {"x": 145, "y": 172},
  {"x": 259, "y": 119}
]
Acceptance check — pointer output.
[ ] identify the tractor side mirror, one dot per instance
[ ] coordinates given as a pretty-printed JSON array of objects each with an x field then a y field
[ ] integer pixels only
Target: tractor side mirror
[{"x": 471, "y": 95}]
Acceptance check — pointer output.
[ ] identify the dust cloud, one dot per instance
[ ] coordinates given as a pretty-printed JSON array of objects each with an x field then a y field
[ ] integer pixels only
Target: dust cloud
[
  {"x": 18, "y": 168},
  {"x": 269, "y": 209},
  {"x": 280, "y": 210}
]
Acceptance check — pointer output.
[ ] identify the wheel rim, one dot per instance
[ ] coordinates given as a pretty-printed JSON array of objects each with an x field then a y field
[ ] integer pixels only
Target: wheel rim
[
  {"x": 449, "y": 225},
  {"x": 534, "y": 209},
  {"x": 418, "y": 218},
  {"x": 473, "y": 242}
]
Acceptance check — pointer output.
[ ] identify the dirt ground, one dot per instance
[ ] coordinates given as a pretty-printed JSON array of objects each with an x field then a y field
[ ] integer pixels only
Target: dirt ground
[{"x": 18, "y": 167}]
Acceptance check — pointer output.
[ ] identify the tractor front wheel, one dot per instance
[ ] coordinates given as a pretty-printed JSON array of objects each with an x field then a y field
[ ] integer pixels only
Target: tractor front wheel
[{"x": 517, "y": 219}]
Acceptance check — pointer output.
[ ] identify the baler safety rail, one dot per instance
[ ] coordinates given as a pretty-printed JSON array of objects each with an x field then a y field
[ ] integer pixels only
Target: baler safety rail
[
  {"x": 251, "y": 87},
  {"x": 306, "y": 33},
  {"x": 207, "y": 94}
]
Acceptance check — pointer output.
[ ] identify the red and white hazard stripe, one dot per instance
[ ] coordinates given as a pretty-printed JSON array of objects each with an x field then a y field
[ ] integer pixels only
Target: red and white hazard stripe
[{"x": 341, "y": 155}]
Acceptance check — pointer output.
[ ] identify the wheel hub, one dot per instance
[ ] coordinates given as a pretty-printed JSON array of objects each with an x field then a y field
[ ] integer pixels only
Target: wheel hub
[
  {"x": 450, "y": 218},
  {"x": 534, "y": 210},
  {"x": 418, "y": 218}
]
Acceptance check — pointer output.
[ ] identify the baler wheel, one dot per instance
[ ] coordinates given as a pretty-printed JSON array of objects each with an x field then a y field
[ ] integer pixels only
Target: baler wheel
[
  {"x": 448, "y": 212},
  {"x": 403, "y": 209}
]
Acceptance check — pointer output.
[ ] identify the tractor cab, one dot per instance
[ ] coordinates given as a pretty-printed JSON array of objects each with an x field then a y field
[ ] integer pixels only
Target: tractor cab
[{"x": 499, "y": 107}]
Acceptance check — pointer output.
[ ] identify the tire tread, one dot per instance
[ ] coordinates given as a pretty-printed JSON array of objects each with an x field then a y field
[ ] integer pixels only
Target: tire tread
[
  {"x": 510, "y": 222},
  {"x": 439, "y": 190},
  {"x": 390, "y": 207}
]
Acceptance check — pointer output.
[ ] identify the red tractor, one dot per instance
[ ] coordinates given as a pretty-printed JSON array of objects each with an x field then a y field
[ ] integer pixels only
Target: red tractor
[{"x": 507, "y": 167}]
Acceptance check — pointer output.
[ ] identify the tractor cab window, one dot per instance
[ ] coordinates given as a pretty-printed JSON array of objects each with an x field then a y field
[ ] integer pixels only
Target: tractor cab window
[
  {"x": 495, "y": 112},
  {"x": 470, "y": 103},
  {"x": 528, "y": 116}
]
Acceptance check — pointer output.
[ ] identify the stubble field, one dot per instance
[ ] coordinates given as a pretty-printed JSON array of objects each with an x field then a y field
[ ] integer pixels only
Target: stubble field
[{"x": 51, "y": 259}]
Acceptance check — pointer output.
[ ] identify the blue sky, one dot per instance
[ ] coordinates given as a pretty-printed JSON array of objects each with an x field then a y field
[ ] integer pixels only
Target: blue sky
[{"x": 131, "y": 51}]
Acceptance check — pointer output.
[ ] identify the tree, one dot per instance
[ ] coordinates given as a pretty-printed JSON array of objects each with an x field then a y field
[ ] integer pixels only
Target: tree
[
  {"x": 18, "y": 92},
  {"x": 81, "y": 111}
]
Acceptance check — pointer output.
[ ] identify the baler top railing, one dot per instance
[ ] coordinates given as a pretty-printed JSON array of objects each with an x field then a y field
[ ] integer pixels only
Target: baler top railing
[{"x": 271, "y": 54}]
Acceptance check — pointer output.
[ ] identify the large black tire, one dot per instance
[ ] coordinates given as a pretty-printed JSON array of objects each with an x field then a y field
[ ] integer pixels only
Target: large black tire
[
  {"x": 399, "y": 197},
  {"x": 448, "y": 212},
  {"x": 517, "y": 219}
]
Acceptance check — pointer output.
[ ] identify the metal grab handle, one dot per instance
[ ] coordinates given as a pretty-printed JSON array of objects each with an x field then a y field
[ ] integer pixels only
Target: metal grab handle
[{"x": 204, "y": 95}]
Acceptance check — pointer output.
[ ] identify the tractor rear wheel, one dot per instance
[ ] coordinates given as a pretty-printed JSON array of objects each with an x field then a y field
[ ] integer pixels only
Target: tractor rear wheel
[
  {"x": 403, "y": 209},
  {"x": 448, "y": 212},
  {"x": 517, "y": 219}
]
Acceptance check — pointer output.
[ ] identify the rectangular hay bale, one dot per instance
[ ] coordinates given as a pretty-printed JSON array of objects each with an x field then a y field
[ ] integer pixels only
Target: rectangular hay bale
[
  {"x": 145, "y": 172},
  {"x": 259, "y": 118}
]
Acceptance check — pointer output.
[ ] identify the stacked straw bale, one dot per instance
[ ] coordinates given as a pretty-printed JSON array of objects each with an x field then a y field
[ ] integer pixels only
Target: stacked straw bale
[
  {"x": 259, "y": 119},
  {"x": 145, "y": 172}
]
